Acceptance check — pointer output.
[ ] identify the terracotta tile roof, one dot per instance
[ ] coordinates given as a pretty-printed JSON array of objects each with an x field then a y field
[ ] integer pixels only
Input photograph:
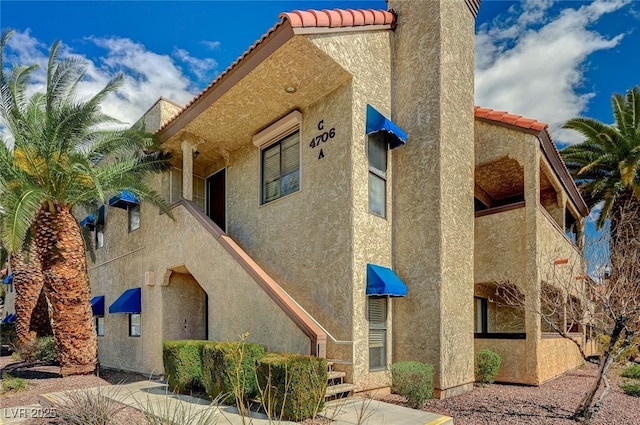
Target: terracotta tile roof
[
  {"x": 336, "y": 18},
  {"x": 507, "y": 118}
]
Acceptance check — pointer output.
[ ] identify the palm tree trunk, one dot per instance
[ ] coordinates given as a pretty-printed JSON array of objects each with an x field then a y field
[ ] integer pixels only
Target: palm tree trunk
[
  {"x": 63, "y": 256},
  {"x": 40, "y": 319},
  {"x": 28, "y": 281}
]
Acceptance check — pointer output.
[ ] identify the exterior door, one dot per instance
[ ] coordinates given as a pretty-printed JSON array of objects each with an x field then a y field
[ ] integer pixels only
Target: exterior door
[{"x": 217, "y": 198}]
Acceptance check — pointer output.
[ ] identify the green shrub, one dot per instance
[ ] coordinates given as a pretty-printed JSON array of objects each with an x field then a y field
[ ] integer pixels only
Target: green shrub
[
  {"x": 41, "y": 349},
  {"x": 631, "y": 388},
  {"x": 414, "y": 381},
  {"x": 229, "y": 370},
  {"x": 12, "y": 384},
  {"x": 292, "y": 386},
  {"x": 632, "y": 371},
  {"x": 487, "y": 366},
  {"x": 183, "y": 364}
]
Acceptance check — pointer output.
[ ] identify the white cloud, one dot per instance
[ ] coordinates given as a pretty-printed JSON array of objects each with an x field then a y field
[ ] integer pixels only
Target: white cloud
[
  {"x": 148, "y": 75},
  {"x": 532, "y": 64},
  {"x": 204, "y": 69},
  {"x": 213, "y": 45}
]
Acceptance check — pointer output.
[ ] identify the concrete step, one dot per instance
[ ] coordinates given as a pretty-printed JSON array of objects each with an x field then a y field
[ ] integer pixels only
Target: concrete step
[{"x": 341, "y": 390}]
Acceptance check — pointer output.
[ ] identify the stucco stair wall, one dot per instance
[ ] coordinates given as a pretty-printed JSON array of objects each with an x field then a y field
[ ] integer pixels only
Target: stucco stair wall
[{"x": 242, "y": 298}]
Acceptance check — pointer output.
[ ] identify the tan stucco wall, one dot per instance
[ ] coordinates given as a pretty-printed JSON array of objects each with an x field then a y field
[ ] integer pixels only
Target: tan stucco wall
[
  {"x": 557, "y": 355},
  {"x": 367, "y": 56},
  {"x": 433, "y": 188},
  {"x": 512, "y": 352}
]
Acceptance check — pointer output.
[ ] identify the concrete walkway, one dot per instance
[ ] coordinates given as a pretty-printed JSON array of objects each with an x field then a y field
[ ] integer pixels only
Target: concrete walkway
[{"x": 153, "y": 396}]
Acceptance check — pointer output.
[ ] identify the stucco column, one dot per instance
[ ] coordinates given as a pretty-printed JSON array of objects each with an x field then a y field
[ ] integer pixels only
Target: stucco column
[
  {"x": 433, "y": 182},
  {"x": 531, "y": 284},
  {"x": 187, "y": 170},
  {"x": 562, "y": 206}
]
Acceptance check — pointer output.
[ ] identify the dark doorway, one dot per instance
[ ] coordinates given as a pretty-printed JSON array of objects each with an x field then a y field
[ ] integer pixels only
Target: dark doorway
[{"x": 217, "y": 198}]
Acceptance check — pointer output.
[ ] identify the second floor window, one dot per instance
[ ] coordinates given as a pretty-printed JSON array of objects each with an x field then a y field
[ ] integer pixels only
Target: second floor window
[
  {"x": 377, "y": 153},
  {"x": 281, "y": 168}
]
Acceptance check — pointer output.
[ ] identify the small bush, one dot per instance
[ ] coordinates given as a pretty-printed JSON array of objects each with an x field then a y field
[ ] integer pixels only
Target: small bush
[
  {"x": 12, "y": 384},
  {"x": 632, "y": 371},
  {"x": 292, "y": 386},
  {"x": 88, "y": 407},
  {"x": 414, "y": 381},
  {"x": 631, "y": 388},
  {"x": 229, "y": 370},
  {"x": 42, "y": 349},
  {"x": 183, "y": 364},
  {"x": 487, "y": 366}
]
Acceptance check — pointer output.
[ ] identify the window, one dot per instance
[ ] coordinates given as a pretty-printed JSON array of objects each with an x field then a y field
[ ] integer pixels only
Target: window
[
  {"x": 377, "y": 152},
  {"x": 99, "y": 235},
  {"x": 377, "y": 333},
  {"x": 100, "y": 325},
  {"x": 134, "y": 325},
  {"x": 481, "y": 314},
  {"x": 281, "y": 168},
  {"x": 175, "y": 188},
  {"x": 134, "y": 217}
]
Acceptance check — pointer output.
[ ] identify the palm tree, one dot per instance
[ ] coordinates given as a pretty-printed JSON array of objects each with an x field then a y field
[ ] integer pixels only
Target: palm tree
[
  {"x": 606, "y": 164},
  {"x": 63, "y": 157},
  {"x": 606, "y": 168}
]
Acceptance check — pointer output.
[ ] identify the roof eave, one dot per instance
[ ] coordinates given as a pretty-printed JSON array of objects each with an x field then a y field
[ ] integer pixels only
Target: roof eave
[{"x": 282, "y": 33}]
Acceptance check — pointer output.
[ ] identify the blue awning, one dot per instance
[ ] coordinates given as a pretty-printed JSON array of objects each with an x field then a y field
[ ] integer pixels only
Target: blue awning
[
  {"x": 383, "y": 281},
  {"x": 89, "y": 222},
  {"x": 376, "y": 122},
  {"x": 7, "y": 280},
  {"x": 124, "y": 200},
  {"x": 9, "y": 319},
  {"x": 97, "y": 305},
  {"x": 128, "y": 302}
]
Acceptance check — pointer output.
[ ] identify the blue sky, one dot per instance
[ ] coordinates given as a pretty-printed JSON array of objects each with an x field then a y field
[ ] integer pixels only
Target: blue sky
[{"x": 545, "y": 59}]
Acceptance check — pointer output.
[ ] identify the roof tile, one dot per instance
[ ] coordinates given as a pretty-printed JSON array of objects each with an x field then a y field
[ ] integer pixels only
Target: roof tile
[{"x": 336, "y": 18}]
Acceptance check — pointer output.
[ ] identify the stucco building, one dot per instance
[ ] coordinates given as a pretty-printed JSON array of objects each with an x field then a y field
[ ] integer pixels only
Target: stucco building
[{"x": 335, "y": 193}]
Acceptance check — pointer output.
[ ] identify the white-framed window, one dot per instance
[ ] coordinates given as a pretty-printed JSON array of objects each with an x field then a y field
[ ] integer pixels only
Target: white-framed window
[
  {"x": 281, "y": 168},
  {"x": 134, "y": 324},
  {"x": 100, "y": 325},
  {"x": 377, "y": 153},
  {"x": 377, "y": 315},
  {"x": 134, "y": 217}
]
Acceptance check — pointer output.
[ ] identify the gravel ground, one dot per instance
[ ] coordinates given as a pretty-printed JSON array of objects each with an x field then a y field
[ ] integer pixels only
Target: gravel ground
[{"x": 549, "y": 404}]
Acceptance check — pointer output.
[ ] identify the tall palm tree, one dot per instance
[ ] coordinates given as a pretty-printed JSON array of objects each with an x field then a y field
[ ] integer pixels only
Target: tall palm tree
[
  {"x": 606, "y": 167},
  {"x": 606, "y": 164},
  {"x": 64, "y": 157}
]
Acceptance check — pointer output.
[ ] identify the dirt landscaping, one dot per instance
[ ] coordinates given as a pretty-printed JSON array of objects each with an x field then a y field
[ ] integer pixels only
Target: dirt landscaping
[{"x": 549, "y": 404}]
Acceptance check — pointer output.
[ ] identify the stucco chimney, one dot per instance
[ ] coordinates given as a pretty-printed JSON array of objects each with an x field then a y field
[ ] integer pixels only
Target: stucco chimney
[{"x": 433, "y": 214}]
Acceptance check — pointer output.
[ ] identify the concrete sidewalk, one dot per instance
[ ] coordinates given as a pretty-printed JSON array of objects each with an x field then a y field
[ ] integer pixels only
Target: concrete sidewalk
[{"x": 154, "y": 397}]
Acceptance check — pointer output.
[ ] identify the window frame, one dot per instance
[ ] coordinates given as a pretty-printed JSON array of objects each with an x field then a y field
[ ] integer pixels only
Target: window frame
[
  {"x": 379, "y": 326},
  {"x": 482, "y": 312},
  {"x": 131, "y": 325},
  {"x": 97, "y": 321},
  {"x": 263, "y": 149},
  {"x": 376, "y": 173},
  {"x": 130, "y": 210}
]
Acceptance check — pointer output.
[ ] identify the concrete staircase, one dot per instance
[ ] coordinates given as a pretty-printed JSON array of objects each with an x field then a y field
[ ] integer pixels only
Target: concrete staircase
[{"x": 336, "y": 388}]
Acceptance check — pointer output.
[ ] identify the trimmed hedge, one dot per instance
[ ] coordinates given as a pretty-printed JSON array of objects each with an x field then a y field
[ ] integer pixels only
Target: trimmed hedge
[
  {"x": 230, "y": 365},
  {"x": 292, "y": 385},
  {"x": 487, "y": 366},
  {"x": 414, "y": 381},
  {"x": 183, "y": 364}
]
